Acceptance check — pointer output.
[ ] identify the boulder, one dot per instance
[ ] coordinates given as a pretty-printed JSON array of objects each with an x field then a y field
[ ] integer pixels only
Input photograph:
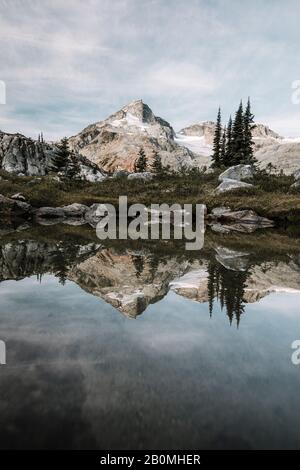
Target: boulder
[
  {"x": 232, "y": 259},
  {"x": 13, "y": 207},
  {"x": 120, "y": 174},
  {"x": 18, "y": 197},
  {"x": 75, "y": 210},
  {"x": 50, "y": 213},
  {"x": 238, "y": 173},
  {"x": 296, "y": 175},
  {"x": 230, "y": 184},
  {"x": 296, "y": 185},
  {"x": 94, "y": 214},
  {"x": 245, "y": 217},
  {"x": 218, "y": 211},
  {"x": 145, "y": 176}
]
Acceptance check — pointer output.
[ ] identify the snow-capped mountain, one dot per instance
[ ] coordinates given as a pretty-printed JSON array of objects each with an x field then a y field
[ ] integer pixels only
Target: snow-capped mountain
[
  {"x": 114, "y": 143},
  {"x": 269, "y": 147}
]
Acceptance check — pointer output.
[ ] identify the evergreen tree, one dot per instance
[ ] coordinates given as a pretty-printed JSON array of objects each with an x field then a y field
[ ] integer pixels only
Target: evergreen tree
[
  {"x": 228, "y": 161},
  {"x": 216, "y": 156},
  {"x": 238, "y": 146},
  {"x": 141, "y": 163},
  {"x": 73, "y": 167},
  {"x": 61, "y": 157},
  {"x": 223, "y": 148},
  {"x": 157, "y": 167},
  {"x": 248, "y": 142},
  {"x": 42, "y": 137}
]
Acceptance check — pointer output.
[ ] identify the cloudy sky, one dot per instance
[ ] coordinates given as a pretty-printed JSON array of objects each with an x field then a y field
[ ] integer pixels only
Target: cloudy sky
[{"x": 69, "y": 63}]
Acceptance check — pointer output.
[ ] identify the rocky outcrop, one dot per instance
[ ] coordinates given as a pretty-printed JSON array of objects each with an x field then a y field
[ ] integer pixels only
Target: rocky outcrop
[
  {"x": 242, "y": 216},
  {"x": 129, "y": 281},
  {"x": 229, "y": 185},
  {"x": 269, "y": 147},
  {"x": 114, "y": 143},
  {"x": 238, "y": 172},
  {"x": 27, "y": 157},
  {"x": 14, "y": 208},
  {"x": 296, "y": 176},
  {"x": 145, "y": 176}
]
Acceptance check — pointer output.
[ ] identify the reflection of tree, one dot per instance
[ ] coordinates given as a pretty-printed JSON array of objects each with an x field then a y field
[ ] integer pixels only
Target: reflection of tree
[
  {"x": 228, "y": 288},
  {"x": 138, "y": 262},
  {"x": 62, "y": 259}
]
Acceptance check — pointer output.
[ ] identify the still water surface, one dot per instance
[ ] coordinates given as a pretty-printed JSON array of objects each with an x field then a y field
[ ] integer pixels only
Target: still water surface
[{"x": 141, "y": 349}]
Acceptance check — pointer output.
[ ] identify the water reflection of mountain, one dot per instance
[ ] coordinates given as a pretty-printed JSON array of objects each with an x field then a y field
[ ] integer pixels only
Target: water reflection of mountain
[{"x": 132, "y": 277}]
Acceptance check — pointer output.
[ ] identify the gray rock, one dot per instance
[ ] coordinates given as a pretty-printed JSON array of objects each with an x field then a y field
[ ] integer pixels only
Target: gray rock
[
  {"x": 120, "y": 174},
  {"x": 75, "y": 210},
  {"x": 229, "y": 185},
  {"x": 94, "y": 214},
  {"x": 13, "y": 207},
  {"x": 220, "y": 228},
  {"x": 296, "y": 185},
  {"x": 238, "y": 172},
  {"x": 245, "y": 217},
  {"x": 232, "y": 259},
  {"x": 19, "y": 197},
  {"x": 296, "y": 175},
  {"x": 27, "y": 157},
  {"x": 218, "y": 211},
  {"x": 146, "y": 176},
  {"x": 50, "y": 213}
]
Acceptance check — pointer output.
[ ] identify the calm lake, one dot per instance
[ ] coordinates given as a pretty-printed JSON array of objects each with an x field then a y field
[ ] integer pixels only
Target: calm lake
[{"x": 143, "y": 346}]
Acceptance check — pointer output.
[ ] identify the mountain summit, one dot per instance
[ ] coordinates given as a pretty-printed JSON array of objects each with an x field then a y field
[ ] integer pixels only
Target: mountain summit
[{"x": 114, "y": 143}]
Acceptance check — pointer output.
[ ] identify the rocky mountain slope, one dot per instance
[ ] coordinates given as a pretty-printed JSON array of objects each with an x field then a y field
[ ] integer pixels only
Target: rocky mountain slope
[
  {"x": 114, "y": 143},
  {"x": 25, "y": 156},
  {"x": 269, "y": 147},
  {"x": 131, "y": 280}
]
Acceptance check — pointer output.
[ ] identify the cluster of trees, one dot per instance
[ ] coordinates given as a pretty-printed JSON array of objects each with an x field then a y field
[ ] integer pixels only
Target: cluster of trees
[
  {"x": 65, "y": 161},
  {"x": 228, "y": 287},
  {"x": 233, "y": 145},
  {"x": 141, "y": 163},
  {"x": 41, "y": 138}
]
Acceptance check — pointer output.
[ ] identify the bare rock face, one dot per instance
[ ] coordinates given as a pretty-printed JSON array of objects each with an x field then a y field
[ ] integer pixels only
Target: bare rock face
[
  {"x": 238, "y": 172},
  {"x": 14, "y": 208},
  {"x": 128, "y": 281},
  {"x": 205, "y": 129},
  {"x": 24, "y": 156},
  {"x": 20, "y": 154},
  {"x": 145, "y": 176},
  {"x": 230, "y": 184},
  {"x": 283, "y": 155},
  {"x": 260, "y": 130},
  {"x": 269, "y": 147},
  {"x": 244, "y": 217},
  {"x": 114, "y": 143}
]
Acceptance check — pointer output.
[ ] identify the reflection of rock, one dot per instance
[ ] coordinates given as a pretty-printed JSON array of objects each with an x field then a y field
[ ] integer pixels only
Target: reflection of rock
[
  {"x": 130, "y": 282},
  {"x": 192, "y": 285},
  {"x": 273, "y": 277},
  {"x": 241, "y": 228},
  {"x": 22, "y": 258},
  {"x": 243, "y": 217},
  {"x": 231, "y": 259}
]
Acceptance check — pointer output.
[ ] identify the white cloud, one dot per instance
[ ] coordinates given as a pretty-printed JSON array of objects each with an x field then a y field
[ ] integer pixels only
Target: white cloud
[{"x": 70, "y": 63}]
